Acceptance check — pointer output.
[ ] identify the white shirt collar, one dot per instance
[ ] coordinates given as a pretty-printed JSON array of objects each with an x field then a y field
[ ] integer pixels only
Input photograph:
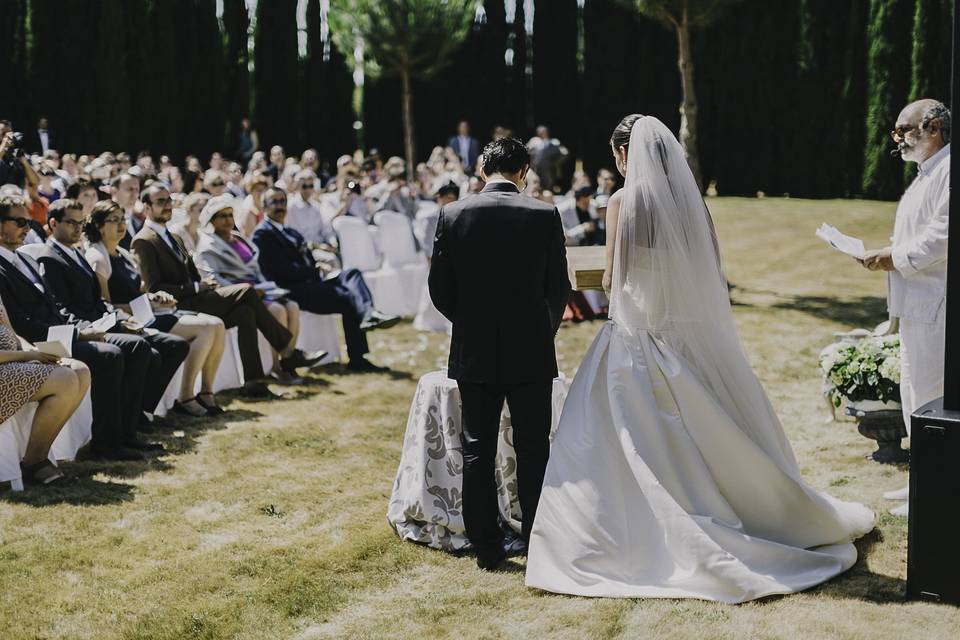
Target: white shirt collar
[
  {"x": 9, "y": 255},
  {"x": 500, "y": 180},
  {"x": 71, "y": 251},
  {"x": 930, "y": 163},
  {"x": 157, "y": 227},
  {"x": 276, "y": 225}
]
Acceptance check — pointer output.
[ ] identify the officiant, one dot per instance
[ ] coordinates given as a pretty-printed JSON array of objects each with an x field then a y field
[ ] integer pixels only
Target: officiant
[{"x": 916, "y": 261}]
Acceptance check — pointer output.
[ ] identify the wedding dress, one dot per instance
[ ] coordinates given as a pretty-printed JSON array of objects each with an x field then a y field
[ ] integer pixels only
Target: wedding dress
[{"x": 670, "y": 474}]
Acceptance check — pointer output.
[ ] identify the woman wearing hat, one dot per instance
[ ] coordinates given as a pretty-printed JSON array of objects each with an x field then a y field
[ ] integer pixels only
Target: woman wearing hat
[
  {"x": 120, "y": 283},
  {"x": 230, "y": 258}
]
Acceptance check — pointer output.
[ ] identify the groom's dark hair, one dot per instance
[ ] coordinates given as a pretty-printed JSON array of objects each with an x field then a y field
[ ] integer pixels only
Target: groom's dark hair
[{"x": 506, "y": 155}]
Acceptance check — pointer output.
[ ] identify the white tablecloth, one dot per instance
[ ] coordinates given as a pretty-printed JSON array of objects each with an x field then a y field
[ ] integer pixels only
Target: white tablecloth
[{"x": 427, "y": 494}]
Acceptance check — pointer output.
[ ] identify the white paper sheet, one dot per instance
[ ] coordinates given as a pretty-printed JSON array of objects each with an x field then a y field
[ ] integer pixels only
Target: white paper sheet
[
  {"x": 62, "y": 334},
  {"x": 849, "y": 245},
  {"x": 53, "y": 348},
  {"x": 142, "y": 310},
  {"x": 104, "y": 324}
]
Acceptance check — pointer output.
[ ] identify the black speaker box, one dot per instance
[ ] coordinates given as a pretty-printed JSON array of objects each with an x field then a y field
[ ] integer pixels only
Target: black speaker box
[{"x": 933, "y": 555}]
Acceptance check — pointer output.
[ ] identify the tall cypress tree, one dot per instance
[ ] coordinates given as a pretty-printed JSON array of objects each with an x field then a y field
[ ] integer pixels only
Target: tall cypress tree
[
  {"x": 328, "y": 91},
  {"x": 112, "y": 79},
  {"x": 275, "y": 76},
  {"x": 888, "y": 85},
  {"x": 235, "y": 88},
  {"x": 932, "y": 41}
]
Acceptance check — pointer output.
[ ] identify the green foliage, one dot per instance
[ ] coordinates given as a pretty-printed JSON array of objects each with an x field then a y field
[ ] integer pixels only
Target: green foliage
[
  {"x": 276, "y": 102},
  {"x": 930, "y": 64},
  {"x": 414, "y": 35},
  {"x": 866, "y": 370},
  {"x": 700, "y": 13},
  {"x": 888, "y": 67}
]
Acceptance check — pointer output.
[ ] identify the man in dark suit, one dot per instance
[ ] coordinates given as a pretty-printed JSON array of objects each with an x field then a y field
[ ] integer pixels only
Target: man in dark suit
[
  {"x": 466, "y": 147},
  {"x": 40, "y": 140},
  {"x": 165, "y": 265},
  {"x": 71, "y": 282},
  {"x": 501, "y": 245},
  {"x": 286, "y": 259},
  {"x": 117, "y": 363}
]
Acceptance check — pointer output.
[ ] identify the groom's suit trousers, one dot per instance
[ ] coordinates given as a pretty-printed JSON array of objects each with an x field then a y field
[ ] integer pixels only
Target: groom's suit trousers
[{"x": 530, "y": 414}]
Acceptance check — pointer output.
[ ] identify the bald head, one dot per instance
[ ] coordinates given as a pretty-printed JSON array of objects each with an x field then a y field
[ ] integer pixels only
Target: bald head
[{"x": 922, "y": 129}]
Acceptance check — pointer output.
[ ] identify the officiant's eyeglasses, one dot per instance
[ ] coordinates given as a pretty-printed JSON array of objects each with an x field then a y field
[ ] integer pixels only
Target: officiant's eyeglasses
[
  {"x": 20, "y": 222},
  {"x": 902, "y": 131}
]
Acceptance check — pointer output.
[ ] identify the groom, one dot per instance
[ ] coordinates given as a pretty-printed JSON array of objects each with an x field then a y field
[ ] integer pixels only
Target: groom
[{"x": 499, "y": 274}]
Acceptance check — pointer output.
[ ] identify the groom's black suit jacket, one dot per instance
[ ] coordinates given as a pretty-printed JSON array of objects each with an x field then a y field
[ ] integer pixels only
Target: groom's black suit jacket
[{"x": 499, "y": 274}]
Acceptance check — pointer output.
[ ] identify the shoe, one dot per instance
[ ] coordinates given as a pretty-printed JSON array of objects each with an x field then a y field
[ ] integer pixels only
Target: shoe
[
  {"x": 491, "y": 563},
  {"x": 191, "y": 407},
  {"x": 284, "y": 377},
  {"x": 117, "y": 453},
  {"x": 42, "y": 474},
  {"x": 377, "y": 320},
  {"x": 899, "y": 495},
  {"x": 256, "y": 390},
  {"x": 210, "y": 405},
  {"x": 298, "y": 359},
  {"x": 140, "y": 445},
  {"x": 902, "y": 511},
  {"x": 362, "y": 365},
  {"x": 515, "y": 547}
]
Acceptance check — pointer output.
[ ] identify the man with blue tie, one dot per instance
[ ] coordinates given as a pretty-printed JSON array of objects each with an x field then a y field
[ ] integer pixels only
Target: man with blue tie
[
  {"x": 74, "y": 286},
  {"x": 286, "y": 259}
]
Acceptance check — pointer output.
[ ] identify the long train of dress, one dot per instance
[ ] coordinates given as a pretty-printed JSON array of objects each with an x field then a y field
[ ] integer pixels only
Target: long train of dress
[{"x": 652, "y": 490}]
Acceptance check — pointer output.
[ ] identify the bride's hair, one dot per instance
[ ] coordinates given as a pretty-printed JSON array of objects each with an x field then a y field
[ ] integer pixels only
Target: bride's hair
[{"x": 621, "y": 134}]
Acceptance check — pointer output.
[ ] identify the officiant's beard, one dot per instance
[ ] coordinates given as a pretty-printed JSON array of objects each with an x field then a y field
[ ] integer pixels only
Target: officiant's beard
[{"x": 907, "y": 151}]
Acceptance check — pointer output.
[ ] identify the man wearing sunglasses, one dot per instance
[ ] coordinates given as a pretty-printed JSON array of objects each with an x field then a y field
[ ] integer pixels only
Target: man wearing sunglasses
[
  {"x": 117, "y": 363},
  {"x": 916, "y": 261}
]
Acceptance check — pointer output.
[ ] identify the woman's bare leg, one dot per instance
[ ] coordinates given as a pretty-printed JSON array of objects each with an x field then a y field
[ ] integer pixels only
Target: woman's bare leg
[{"x": 59, "y": 397}]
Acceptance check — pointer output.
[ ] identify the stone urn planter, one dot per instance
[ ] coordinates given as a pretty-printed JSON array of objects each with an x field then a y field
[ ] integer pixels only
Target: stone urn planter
[{"x": 883, "y": 422}]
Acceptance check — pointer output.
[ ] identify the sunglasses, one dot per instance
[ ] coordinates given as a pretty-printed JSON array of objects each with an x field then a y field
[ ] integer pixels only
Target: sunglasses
[
  {"x": 20, "y": 222},
  {"x": 902, "y": 131}
]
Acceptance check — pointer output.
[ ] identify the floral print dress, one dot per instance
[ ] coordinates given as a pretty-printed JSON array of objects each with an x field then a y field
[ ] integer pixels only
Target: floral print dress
[{"x": 19, "y": 381}]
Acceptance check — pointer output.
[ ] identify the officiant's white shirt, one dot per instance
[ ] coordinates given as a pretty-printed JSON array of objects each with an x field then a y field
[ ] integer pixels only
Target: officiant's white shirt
[
  {"x": 917, "y": 289},
  {"x": 918, "y": 286}
]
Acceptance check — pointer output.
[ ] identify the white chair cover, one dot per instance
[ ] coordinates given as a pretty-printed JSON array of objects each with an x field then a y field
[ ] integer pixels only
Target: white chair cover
[
  {"x": 76, "y": 433},
  {"x": 357, "y": 249},
  {"x": 10, "y": 445},
  {"x": 400, "y": 253}
]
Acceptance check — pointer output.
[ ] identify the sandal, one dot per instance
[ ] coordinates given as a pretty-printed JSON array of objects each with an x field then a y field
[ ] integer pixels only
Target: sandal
[
  {"x": 42, "y": 473},
  {"x": 192, "y": 407},
  {"x": 210, "y": 405}
]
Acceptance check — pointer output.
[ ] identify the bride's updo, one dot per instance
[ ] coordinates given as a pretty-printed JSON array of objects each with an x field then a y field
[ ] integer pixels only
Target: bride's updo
[{"x": 621, "y": 134}]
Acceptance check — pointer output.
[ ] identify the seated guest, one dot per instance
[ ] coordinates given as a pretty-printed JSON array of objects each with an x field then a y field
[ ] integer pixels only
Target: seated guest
[
  {"x": 166, "y": 266},
  {"x": 57, "y": 386},
  {"x": 250, "y": 212},
  {"x": 186, "y": 222},
  {"x": 579, "y": 222},
  {"x": 84, "y": 191},
  {"x": 124, "y": 190},
  {"x": 304, "y": 216},
  {"x": 214, "y": 182},
  {"x": 229, "y": 258},
  {"x": 120, "y": 283},
  {"x": 73, "y": 285},
  {"x": 286, "y": 260},
  {"x": 117, "y": 362}
]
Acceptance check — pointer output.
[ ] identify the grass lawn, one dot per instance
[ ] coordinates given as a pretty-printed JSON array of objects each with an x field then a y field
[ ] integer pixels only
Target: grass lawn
[{"x": 270, "y": 521}]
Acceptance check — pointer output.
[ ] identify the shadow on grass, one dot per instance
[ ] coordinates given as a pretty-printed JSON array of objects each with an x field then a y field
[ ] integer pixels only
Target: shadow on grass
[
  {"x": 854, "y": 311},
  {"x": 178, "y": 434},
  {"x": 342, "y": 370}
]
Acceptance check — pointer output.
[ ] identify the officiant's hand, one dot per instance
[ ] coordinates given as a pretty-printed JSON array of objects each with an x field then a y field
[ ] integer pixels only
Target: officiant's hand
[
  {"x": 881, "y": 260},
  {"x": 607, "y": 280}
]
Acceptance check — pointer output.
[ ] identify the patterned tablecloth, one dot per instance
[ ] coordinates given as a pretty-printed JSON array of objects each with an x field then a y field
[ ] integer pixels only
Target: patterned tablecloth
[{"x": 427, "y": 494}]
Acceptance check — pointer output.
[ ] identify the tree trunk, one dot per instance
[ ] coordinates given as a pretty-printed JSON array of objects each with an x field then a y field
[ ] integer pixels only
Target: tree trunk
[
  {"x": 408, "y": 143},
  {"x": 688, "y": 108}
]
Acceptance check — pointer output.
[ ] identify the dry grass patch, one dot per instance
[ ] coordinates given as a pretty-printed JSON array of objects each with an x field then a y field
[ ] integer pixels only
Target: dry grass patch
[{"x": 269, "y": 522}]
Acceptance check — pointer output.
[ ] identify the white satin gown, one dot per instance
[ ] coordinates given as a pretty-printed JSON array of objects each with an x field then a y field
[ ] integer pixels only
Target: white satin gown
[{"x": 654, "y": 491}]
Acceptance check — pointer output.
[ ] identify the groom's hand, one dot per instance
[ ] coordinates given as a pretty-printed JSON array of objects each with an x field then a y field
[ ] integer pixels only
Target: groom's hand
[{"x": 607, "y": 281}]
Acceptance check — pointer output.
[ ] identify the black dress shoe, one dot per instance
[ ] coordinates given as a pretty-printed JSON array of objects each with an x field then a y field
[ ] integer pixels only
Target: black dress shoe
[
  {"x": 299, "y": 359},
  {"x": 377, "y": 320},
  {"x": 362, "y": 365},
  {"x": 116, "y": 453},
  {"x": 515, "y": 547},
  {"x": 285, "y": 377},
  {"x": 492, "y": 562},
  {"x": 140, "y": 445},
  {"x": 256, "y": 390}
]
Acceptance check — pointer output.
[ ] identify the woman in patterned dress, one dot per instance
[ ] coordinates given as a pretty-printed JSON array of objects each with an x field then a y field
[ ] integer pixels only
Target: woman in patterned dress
[{"x": 58, "y": 387}]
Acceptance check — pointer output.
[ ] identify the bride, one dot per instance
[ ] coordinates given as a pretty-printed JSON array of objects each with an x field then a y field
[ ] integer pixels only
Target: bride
[{"x": 670, "y": 475}]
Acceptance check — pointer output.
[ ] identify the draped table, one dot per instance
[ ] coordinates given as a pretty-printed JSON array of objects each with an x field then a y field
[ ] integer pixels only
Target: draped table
[{"x": 426, "y": 502}]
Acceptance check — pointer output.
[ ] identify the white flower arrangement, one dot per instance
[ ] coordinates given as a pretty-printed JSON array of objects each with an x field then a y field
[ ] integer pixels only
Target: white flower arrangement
[{"x": 865, "y": 370}]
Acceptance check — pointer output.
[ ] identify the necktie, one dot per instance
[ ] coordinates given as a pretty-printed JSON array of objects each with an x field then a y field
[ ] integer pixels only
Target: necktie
[
  {"x": 82, "y": 262},
  {"x": 173, "y": 245}
]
